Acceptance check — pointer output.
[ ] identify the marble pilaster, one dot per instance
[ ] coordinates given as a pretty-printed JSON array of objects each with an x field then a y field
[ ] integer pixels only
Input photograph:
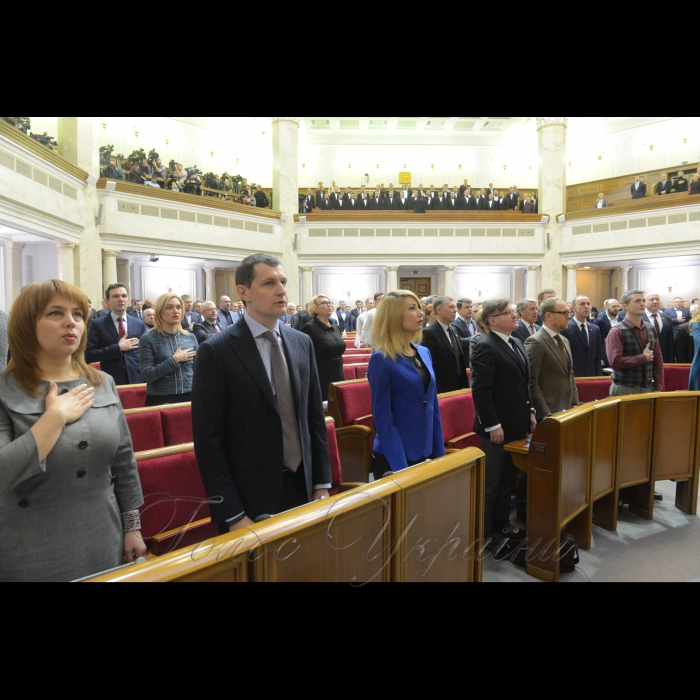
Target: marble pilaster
[
  {"x": 220, "y": 284},
  {"x": 441, "y": 282},
  {"x": 307, "y": 285},
  {"x": 450, "y": 281},
  {"x": 624, "y": 280},
  {"x": 66, "y": 262},
  {"x": 571, "y": 282},
  {"x": 532, "y": 283},
  {"x": 124, "y": 273},
  {"x": 519, "y": 288},
  {"x": 210, "y": 284},
  {"x": 552, "y": 190},
  {"x": 285, "y": 183},
  {"x": 14, "y": 271},
  {"x": 392, "y": 279},
  {"x": 109, "y": 271}
]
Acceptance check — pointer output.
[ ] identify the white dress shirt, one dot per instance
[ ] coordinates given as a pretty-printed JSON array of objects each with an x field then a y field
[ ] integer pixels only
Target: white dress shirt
[
  {"x": 450, "y": 337},
  {"x": 659, "y": 317}
]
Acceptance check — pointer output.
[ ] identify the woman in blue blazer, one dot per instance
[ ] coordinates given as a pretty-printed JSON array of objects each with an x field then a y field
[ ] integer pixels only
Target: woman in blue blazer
[
  {"x": 404, "y": 391},
  {"x": 695, "y": 370}
]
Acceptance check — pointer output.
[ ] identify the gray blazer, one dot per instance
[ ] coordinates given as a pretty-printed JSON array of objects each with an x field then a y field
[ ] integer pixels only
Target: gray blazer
[
  {"x": 605, "y": 204},
  {"x": 61, "y": 518},
  {"x": 164, "y": 375},
  {"x": 552, "y": 383},
  {"x": 3, "y": 341}
]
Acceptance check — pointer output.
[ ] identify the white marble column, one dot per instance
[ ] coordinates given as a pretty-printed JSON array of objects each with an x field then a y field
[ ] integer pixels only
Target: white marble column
[
  {"x": 220, "y": 284},
  {"x": 109, "y": 270},
  {"x": 552, "y": 188},
  {"x": 66, "y": 262},
  {"x": 79, "y": 143},
  {"x": 392, "y": 279},
  {"x": 210, "y": 285},
  {"x": 519, "y": 284},
  {"x": 532, "y": 288},
  {"x": 441, "y": 282},
  {"x": 571, "y": 282},
  {"x": 307, "y": 285},
  {"x": 624, "y": 277},
  {"x": 14, "y": 271},
  {"x": 450, "y": 281},
  {"x": 124, "y": 273},
  {"x": 285, "y": 184}
]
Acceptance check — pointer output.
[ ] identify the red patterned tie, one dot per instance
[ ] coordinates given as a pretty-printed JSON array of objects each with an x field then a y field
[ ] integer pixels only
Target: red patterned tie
[
  {"x": 122, "y": 330},
  {"x": 656, "y": 325},
  {"x": 216, "y": 329}
]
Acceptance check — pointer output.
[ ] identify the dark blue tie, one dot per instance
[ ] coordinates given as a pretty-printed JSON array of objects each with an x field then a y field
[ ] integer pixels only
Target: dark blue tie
[
  {"x": 584, "y": 335},
  {"x": 517, "y": 353}
]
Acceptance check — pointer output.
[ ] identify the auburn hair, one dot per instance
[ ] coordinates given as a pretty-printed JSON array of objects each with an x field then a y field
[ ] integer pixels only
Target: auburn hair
[
  {"x": 27, "y": 310},
  {"x": 388, "y": 336}
]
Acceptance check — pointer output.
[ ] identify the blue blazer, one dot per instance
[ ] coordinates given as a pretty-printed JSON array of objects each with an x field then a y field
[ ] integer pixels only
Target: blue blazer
[
  {"x": 103, "y": 347},
  {"x": 695, "y": 369},
  {"x": 672, "y": 317},
  {"x": 407, "y": 419},
  {"x": 587, "y": 360}
]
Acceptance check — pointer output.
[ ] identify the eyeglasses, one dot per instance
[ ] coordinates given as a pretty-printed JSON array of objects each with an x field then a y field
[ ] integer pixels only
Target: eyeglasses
[
  {"x": 509, "y": 313},
  {"x": 560, "y": 313},
  {"x": 325, "y": 303}
]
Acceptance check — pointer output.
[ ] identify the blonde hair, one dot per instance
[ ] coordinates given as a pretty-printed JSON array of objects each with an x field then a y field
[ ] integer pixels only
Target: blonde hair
[
  {"x": 24, "y": 344},
  {"x": 696, "y": 319},
  {"x": 388, "y": 336},
  {"x": 160, "y": 307},
  {"x": 313, "y": 306}
]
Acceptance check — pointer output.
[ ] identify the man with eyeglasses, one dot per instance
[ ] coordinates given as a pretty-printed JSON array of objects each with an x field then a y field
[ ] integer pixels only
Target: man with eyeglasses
[{"x": 505, "y": 413}]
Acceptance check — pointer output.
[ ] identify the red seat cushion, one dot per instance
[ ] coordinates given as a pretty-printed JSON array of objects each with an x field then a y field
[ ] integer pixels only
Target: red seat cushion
[
  {"x": 133, "y": 398},
  {"x": 354, "y": 401},
  {"x": 336, "y": 468},
  {"x": 472, "y": 440},
  {"x": 177, "y": 426},
  {"x": 457, "y": 416},
  {"x": 676, "y": 378},
  {"x": 361, "y": 371},
  {"x": 174, "y": 496},
  {"x": 146, "y": 431},
  {"x": 349, "y": 371},
  {"x": 593, "y": 390}
]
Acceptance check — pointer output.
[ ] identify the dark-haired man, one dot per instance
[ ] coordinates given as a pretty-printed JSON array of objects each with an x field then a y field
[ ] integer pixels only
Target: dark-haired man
[
  {"x": 190, "y": 317},
  {"x": 113, "y": 340},
  {"x": 277, "y": 458}
]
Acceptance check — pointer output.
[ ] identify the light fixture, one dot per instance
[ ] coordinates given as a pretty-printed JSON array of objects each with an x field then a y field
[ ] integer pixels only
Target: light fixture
[{"x": 154, "y": 259}]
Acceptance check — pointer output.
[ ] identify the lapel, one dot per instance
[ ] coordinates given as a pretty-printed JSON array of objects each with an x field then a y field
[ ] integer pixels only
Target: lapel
[
  {"x": 244, "y": 346},
  {"x": 554, "y": 349},
  {"x": 506, "y": 350},
  {"x": 439, "y": 330},
  {"x": 577, "y": 334},
  {"x": 111, "y": 328},
  {"x": 294, "y": 359}
]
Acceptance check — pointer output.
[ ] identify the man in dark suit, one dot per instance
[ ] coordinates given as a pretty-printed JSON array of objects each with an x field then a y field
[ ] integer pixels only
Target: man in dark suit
[
  {"x": 681, "y": 184},
  {"x": 606, "y": 321},
  {"x": 347, "y": 195},
  {"x": 209, "y": 326},
  {"x": 467, "y": 202},
  {"x": 391, "y": 201},
  {"x": 586, "y": 341},
  {"x": 639, "y": 189},
  {"x": 528, "y": 310},
  {"x": 678, "y": 315},
  {"x": 662, "y": 325},
  {"x": 309, "y": 202},
  {"x": 377, "y": 202},
  {"x": 439, "y": 202},
  {"x": 505, "y": 413},
  {"x": 322, "y": 202},
  {"x": 301, "y": 319},
  {"x": 446, "y": 348},
  {"x": 465, "y": 326},
  {"x": 452, "y": 204},
  {"x": 261, "y": 377},
  {"x": 335, "y": 199},
  {"x": 113, "y": 340},
  {"x": 136, "y": 309},
  {"x": 352, "y": 203},
  {"x": 511, "y": 201},
  {"x": 493, "y": 204},
  {"x": 190, "y": 317},
  {"x": 346, "y": 321},
  {"x": 665, "y": 186},
  {"x": 363, "y": 203},
  {"x": 357, "y": 311},
  {"x": 464, "y": 187},
  {"x": 420, "y": 204}
]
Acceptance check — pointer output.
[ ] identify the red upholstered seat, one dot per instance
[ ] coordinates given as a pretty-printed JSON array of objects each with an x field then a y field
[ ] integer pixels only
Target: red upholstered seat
[
  {"x": 361, "y": 371},
  {"x": 174, "y": 497},
  {"x": 336, "y": 468},
  {"x": 458, "y": 414},
  {"x": 349, "y": 371},
  {"x": 355, "y": 359},
  {"x": 677, "y": 377},
  {"x": 177, "y": 426},
  {"x": 354, "y": 401},
  {"x": 146, "y": 431},
  {"x": 132, "y": 397},
  {"x": 590, "y": 390}
]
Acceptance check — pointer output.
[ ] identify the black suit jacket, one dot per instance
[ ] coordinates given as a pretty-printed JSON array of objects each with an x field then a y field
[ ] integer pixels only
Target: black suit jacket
[
  {"x": 356, "y": 313},
  {"x": 376, "y": 204},
  {"x": 300, "y": 320},
  {"x": 667, "y": 339},
  {"x": 196, "y": 318},
  {"x": 464, "y": 336},
  {"x": 638, "y": 193},
  {"x": 685, "y": 345},
  {"x": 364, "y": 204},
  {"x": 501, "y": 388},
  {"x": 103, "y": 347},
  {"x": 204, "y": 330},
  {"x": 334, "y": 200},
  {"x": 452, "y": 205},
  {"x": 467, "y": 203},
  {"x": 522, "y": 333},
  {"x": 511, "y": 202},
  {"x": 587, "y": 359},
  {"x": 323, "y": 203},
  {"x": 681, "y": 187},
  {"x": 664, "y": 187},
  {"x": 242, "y": 469},
  {"x": 404, "y": 205},
  {"x": 391, "y": 203},
  {"x": 347, "y": 326},
  {"x": 492, "y": 206},
  {"x": 310, "y": 203},
  {"x": 449, "y": 363}
]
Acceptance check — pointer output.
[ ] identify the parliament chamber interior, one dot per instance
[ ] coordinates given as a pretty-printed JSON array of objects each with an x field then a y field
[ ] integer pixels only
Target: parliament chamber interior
[{"x": 350, "y": 349}]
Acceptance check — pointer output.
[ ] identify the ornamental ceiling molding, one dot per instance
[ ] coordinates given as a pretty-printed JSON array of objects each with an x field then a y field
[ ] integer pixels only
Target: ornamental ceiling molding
[
  {"x": 187, "y": 250},
  {"x": 665, "y": 251},
  {"x": 471, "y": 260},
  {"x": 49, "y": 224},
  {"x": 551, "y": 121}
]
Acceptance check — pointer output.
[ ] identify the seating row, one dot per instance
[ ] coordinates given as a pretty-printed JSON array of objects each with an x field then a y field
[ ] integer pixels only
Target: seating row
[
  {"x": 353, "y": 372},
  {"x": 579, "y": 461},
  {"x": 384, "y": 532}
]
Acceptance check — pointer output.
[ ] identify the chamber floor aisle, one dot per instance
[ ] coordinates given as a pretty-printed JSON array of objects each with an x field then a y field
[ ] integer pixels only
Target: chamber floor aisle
[{"x": 665, "y": 550}]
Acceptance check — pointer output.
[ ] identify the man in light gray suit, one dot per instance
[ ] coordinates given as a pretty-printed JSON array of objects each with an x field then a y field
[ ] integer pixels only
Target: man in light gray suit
[
  {"x": 3, "y": 341},
  {"x": 552, "y": 380},
  {"x": 209, "y": 326}
]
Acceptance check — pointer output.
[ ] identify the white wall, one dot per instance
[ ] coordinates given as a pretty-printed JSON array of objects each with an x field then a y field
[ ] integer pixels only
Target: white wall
[
  {"x": 658, "y": 279},
  {"x": 493, "y": 284},
  {"x": 152, "y": 280},
  {"x": 45, "y": 262},
  {"x": 360, "y": 283}
]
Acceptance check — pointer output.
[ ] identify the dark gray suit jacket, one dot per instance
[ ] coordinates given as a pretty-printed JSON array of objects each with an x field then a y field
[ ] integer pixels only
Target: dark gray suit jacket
[
  {"x": 242, "y": 470},
  {"x": 205, "y": 330}
]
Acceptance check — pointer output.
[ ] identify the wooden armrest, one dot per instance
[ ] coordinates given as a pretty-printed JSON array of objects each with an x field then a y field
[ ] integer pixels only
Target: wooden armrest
[
  {"x": 350, "y": 487},
  {"x": 155, "y": 542},
  {"x": 358, "y": 430},
  {"x": 355, "y": 448},
  {"x": 452, "y": 445},
  {"x": 451, "y": 451}
]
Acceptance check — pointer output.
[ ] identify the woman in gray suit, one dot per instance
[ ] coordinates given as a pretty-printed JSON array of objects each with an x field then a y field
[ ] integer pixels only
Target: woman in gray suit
[{"x": 69, "y": 486}]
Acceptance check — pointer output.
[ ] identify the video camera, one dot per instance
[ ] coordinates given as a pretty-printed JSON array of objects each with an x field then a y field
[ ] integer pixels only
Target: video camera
[
  {"x": 45, "y": 140},
  {"x": 22, "y": 123}
]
